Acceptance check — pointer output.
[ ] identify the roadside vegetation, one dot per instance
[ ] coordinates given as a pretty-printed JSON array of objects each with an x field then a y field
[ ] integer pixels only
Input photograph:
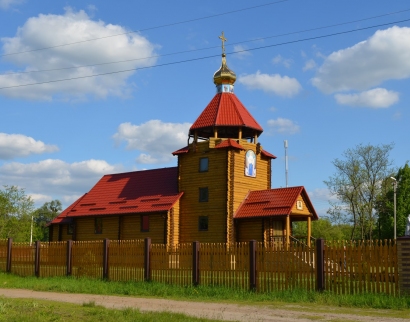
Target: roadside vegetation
[
  {"x": 202, "y": 293},
  {"x": 21, "y": 310}
]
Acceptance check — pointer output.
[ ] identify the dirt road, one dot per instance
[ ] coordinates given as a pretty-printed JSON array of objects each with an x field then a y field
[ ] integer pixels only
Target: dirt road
[{"x": 220, "y": 311}]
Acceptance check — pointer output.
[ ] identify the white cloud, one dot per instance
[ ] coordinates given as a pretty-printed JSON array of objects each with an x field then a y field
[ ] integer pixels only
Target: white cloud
[
  {"x": 322, "y": 194},
  {"x": 56, "y": 178},
  {"x": 384, "y": 56},
  {"x": 53, "y": 30},
  {"x": 375, "y": 98},
  {"x": 282, "y": 86},
  {"x": 18, "y": 145},
  {"x": 5, "y": 4},
  {"x": 310, "y": 64},
  {"x": 156, "y": 138},
  {"x": 39, "y": 198},
  {"x": 284, "y": 126},
  {"x": 280, "y": 60},
  {"x": 241, "y": 52}
]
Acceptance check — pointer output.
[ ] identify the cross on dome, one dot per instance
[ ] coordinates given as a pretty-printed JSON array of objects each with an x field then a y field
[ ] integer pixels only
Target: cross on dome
[
  {"x": 224, "y": 78},
  {"x": 222, "y": 37}
]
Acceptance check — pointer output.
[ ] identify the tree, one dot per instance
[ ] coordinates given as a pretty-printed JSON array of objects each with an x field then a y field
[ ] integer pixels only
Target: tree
[
  {"x": 323, "y": 228},
  {"x": 356, "y": 184},
  {"x": 15, "y": 213},
  {"x": 43, "y": 215},
  {"x": 385, "y": 204}
]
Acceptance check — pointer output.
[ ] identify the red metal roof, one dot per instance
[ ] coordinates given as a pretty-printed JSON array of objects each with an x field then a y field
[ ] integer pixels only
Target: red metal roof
[
  {"x": 272, "y": 202},
  {"x": 267, "y": 154},
  {"x": 225, "y": 109},
  {"x": 181, "y": 151},
  {"x": 229, "y": 143},
  {"x": 62, "y": 218},
  {"x": 131, "y": 192}
]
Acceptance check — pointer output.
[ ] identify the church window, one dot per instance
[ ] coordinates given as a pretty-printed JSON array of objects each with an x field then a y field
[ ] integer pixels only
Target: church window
[
  {"x": 203, "y": 164},
  {"x": 145, "y": 223},
  {"x": 98, "y": 222},
  {"x": 203, "y": 194},
  {"x": 203, "y": 223}
]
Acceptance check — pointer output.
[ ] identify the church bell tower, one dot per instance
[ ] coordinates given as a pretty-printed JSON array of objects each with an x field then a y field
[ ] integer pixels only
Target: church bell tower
[{"x": 221, "y": 164}]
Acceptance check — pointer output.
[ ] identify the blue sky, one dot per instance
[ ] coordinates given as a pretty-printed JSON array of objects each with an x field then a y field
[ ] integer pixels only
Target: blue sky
[{"x": 323, "y": 95}]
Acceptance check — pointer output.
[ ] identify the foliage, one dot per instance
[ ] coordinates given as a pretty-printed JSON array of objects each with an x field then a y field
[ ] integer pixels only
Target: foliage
[
  {"x": 43, "y": 215},
  {"x": 357, "y": 184},
  {"x": 323, "y": 228},
  {"x": 385, "y": 204},
  {"x": 15, "y": 213}
]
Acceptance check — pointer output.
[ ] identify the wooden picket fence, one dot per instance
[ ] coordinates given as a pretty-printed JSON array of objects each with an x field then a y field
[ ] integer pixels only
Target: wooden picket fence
[
  {"x": 347, "y": 267},
  {"x": 282, "y": 268},
  {"x": 361, "y": 267},
  {"x": 3, "y": 255}
]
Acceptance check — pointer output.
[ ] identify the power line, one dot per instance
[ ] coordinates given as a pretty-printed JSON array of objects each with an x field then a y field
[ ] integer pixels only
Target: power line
[
  {"x": 212, "y": 47},
  {"x": 151, "y": 28},
  {"x": 207, "y": 57}
]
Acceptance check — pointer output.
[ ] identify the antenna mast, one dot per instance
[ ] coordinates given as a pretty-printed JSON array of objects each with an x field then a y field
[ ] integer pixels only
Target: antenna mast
[{"x": 285, "y": 142}]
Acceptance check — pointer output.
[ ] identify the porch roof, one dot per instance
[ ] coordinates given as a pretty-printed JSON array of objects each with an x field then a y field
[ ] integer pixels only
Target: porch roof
[{"x": 273, "y": 202}]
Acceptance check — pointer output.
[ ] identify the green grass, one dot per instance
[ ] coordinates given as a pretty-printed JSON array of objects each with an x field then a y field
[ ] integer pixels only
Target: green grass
[
  {"x": 21, "y": 310},
  {"x": 202, "y": 293}
]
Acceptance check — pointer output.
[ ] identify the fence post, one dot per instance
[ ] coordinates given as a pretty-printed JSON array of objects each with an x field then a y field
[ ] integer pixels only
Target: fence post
[
  {"x": 252, "y": 265},
  {"x": 69, "y": 263},
  {"x": 403, "y": 261},
  {"x": 195, "y": 263},
  {"x": 147, "y": 259},
  {"x": 9, "y": 250},
  {"x": 106, "y": 245},
  {"x": 320, "y": 265},
  {"x": 37, "y": 258}
]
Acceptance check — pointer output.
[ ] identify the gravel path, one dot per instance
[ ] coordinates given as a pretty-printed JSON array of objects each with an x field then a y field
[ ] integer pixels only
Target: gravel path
[{"x": 220, "y": 311}]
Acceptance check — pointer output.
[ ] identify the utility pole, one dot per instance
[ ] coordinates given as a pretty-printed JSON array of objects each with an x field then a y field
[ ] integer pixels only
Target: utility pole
[
  {"x": 286, "y": 161},
  {"x": 31, "y": 231},
  {"x": 394, "y": 190}
]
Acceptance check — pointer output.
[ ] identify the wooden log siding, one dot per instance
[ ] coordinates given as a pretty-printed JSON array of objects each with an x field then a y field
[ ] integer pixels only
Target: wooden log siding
[
  {"x": 55, "y": 232},
  {"x": 173, "y": 225},
  {"x": 190, "y": 182},
  {"x": 304, "y": 210},
  {"x": 131, "y": 227},
  {"x": 243, "y": 184},
  {"x": 85, "y": 228},
  {"x": 250, "y": 229},
  {"x": 64, "y": 236},
  {"x": 230, "y": 184}
]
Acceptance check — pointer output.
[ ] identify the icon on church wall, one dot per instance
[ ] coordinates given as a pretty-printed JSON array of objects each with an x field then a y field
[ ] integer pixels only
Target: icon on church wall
[{"x": 250, "y": 164}]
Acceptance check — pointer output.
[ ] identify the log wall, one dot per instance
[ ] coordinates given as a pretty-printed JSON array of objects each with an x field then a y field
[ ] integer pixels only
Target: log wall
[
  {"x": 250, "y": 229},
  {"x": 131, "y": 227},
  {"x": 190, "y": 180},
  {"x": 243, "y": 184},
  {"x": 85, "y": 228}
]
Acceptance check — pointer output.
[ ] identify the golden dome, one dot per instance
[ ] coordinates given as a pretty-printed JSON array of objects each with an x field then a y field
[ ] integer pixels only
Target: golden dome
[{"x": 224, "y": 75}]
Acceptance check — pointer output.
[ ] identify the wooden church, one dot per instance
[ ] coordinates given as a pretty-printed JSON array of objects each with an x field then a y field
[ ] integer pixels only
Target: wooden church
[{"x": 220, "y": 190}]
